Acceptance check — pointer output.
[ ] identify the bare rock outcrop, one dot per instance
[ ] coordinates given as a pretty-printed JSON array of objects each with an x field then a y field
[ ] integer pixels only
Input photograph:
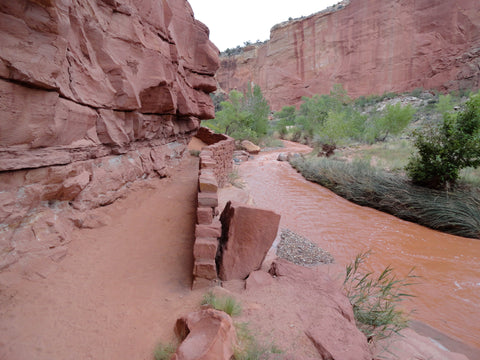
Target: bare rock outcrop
[
  {"x": 369, "y": 46},
  {"x": 308, "y": 314},
  {"x": 247, "y": 234},
  {"x": 94, "y": 95},
  {"x": 207, "y": 335}
]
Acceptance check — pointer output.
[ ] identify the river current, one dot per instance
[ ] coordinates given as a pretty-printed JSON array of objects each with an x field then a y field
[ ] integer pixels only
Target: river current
[{"x": 448, "y": 293}]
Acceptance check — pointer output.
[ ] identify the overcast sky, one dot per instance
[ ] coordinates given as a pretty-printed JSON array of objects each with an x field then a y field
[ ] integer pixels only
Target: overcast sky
[{"x": 232, "y": 22}]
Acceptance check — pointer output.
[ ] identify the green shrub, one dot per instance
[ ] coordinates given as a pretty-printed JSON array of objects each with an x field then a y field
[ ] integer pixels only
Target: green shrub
[
  {"x": 393, "y": 121},
  {"x": 445, "y": 104},
  {"x": 226, "y": 304},
  {"x": 446, "y": 149},
  {"x": 235, "y": 179},
  {"x": 249, "y": 348},
  {"x": 242, "y": 116},
  {"x": 375, "y": 299},
  {"x": 164, "y": 351}
]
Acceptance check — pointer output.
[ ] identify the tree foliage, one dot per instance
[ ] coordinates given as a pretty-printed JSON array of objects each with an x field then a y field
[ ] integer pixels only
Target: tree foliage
[
  {"x": 242, "y": 116},
  {"x": 393, "y": 121},
  {"x": 334, "y": 119},
  {"x": 446, "y": 149}
]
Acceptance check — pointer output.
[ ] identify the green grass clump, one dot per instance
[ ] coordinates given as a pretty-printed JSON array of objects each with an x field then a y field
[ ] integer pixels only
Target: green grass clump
[
  {"x": 235, "y": 179},
  {"x": 226, "y": 304},
  {"x": 454, "y": 212},
  {"x": 375, "y": 299},
  {"x": 164, "y": 351},
  {"x": 250, "y": 349}
]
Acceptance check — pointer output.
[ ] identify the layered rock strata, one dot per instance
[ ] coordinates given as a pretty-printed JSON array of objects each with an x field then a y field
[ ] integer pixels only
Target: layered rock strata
[
  {"x": 94, "y": 94},
  {"x": 369, "y": 46}
]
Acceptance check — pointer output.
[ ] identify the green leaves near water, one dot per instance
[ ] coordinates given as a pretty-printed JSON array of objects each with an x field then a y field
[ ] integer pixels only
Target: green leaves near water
[{"x": 375, "y": 299}]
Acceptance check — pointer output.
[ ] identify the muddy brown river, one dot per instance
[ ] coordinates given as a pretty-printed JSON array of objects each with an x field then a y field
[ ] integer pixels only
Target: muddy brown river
[{"x": 448, "y": 296}]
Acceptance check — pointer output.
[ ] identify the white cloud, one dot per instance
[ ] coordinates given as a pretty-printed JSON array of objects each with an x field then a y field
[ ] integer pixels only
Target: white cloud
[{"x": 231, "y": 23}]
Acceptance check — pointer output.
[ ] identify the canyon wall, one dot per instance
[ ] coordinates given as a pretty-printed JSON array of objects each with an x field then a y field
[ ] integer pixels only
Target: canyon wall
[
  {"x": 94, "y": 95},
  {"x": 369, "y": 46}
]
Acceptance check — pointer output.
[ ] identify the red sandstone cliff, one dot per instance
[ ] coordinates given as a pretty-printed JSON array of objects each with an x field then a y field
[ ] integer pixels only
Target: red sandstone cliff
[
  {"x": 94, "y": 94},
  {"x": 369, "y": 46}
]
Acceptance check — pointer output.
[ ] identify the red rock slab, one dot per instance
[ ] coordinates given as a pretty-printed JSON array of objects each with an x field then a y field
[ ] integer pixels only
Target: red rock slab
[
  {"x": 208, "y": 199},
  {"x": 213, "y": 230},
  {"x": 247, "y": 234},
  {"x": 205, "y": 269},
  {"x": 204, "y": 215},
  {"x": 207, "y": 183},
  {"x": 209, "y": 335},
  {"x": 205, "y": 248}
]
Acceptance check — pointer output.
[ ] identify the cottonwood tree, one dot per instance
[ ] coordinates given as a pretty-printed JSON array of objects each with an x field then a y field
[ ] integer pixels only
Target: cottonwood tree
[{"x": 446, "y": 149}]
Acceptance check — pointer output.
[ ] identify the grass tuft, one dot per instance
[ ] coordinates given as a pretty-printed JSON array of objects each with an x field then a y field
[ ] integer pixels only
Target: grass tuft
[
  {"x": 249, "y": 347},
  {"x": 375, "y": 299},
  {"x": 226, "y": 304},
  {"x": 235, "y": 179},
  {"x": 164, "y": 351}
]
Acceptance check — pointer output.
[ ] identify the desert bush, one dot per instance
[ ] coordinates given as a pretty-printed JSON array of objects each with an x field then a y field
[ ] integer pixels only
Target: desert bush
[
  {"x": 442, "y": 151},
  {"x": 375, "y": 299},
  {"x": 455, "y": 212}
]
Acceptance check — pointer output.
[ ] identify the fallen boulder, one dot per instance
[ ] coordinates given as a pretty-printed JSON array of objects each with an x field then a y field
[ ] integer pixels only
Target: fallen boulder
[
  {"x": 207, "y": 335},
  {"x": 247, "y": 234},
  {"x": 250, "y": 147}
]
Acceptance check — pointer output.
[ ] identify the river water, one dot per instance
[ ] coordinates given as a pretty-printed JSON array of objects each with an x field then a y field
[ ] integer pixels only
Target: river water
[{"x": 448, "y": 293}]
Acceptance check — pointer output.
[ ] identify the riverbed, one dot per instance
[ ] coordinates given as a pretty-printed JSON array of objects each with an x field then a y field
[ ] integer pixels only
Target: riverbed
[{"x": 448, "y": 293}]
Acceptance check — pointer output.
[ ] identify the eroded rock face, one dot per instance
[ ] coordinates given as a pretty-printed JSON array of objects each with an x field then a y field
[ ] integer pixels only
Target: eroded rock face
[
  {"x": 94, "y": 94},
  {"x": 369, "y": 46}
]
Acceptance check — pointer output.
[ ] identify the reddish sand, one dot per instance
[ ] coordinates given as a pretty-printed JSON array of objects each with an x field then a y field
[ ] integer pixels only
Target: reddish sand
[{"x": 120, "y": 288}]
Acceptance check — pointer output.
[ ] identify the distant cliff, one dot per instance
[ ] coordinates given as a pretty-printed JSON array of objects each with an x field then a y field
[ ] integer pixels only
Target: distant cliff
[{"x": 369, "y": 46}]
